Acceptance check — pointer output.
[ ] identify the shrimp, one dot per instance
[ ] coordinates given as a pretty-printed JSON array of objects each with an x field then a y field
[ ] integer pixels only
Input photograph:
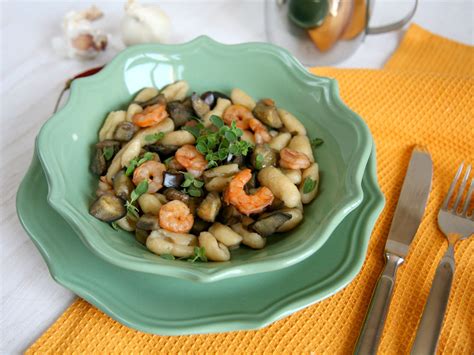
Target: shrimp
[
  {"x": 292, "y": 159},
  {"x": 189, "y": 157},
  {"x": 260, "y": 131},
  {"x": 238, "y": 113},
  {"x": 151, "y": 116},
  {"x": 152, "y": 171},
  {"x": 175, "y": 216},
  {"x": 247, "y": 204}
]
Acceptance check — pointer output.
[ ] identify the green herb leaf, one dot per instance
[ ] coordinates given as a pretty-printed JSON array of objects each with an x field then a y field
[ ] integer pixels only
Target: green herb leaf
[
  {"x": 199, "y": 255},
  {"x": 132, "y": 210},
  {"x": 216, "y": 121},
  {"x": 141, "y": 188},
  {"x": 167, "y": 256},
  {"x": 167, "y": 160},
  {"x": 194, "y": 130},
  {"x": 193, "y": 191},
  {"x": 309, "y": 185},
  {"x": 131, "y": 167},
  {"x": 114, "y": 226},
  {"x": 192, "y": 186},
  {"x": 316, "y": 142},
  {"x": 108, "y": 153},
  {"x": 198, "y": 183},
  {"x": 152, "y": 138},
  {"x": 259, "y": 161}
]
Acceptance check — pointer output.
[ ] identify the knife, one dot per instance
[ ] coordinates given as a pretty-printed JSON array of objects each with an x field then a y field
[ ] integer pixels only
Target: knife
[{"x": 410, "y": 208}]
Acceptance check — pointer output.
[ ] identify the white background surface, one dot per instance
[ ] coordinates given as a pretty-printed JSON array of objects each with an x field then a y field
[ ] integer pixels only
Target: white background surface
[{"x": 32, "y": 76}]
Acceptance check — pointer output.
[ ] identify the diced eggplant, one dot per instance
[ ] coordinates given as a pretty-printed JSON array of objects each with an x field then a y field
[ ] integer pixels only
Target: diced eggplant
[
  {"x": 99, "y": 162},
  {"x": 199, "y": 106},
  {"x": 164, "y": 151},
  {"x": 179, "y": 112},
  {"x": 173, "y": 165},
  {"x": 108, "y": 208},
  {"x": 209, "y": 207},
  {"x": 229, "y": 215},
  {"x": 123, "y": 185},
  {"x": 252, "y": 184},
  {"x": 263, "y": 156},
  {"x": 141, "y": 235},
  {"x": 158, "y": 99},
  {"x": 199, "y": 226},
  {"x": 266, "y": 111},
  {"x": 171, "y": 179},
  {"x": 210, "y": 97},
  {"x": 174, "y": 194},
  {"x": 125, "y": 131},
  {"x": 268, "y": 224},
  {"x": 148, "y": 222}
]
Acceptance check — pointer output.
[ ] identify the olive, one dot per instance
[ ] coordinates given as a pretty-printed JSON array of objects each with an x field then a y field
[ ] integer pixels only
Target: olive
[
  {"x": 266, "y": 111},
  {"x": 123, "y": 185},
  {"x": 148, "y": 222},
  {"x": 179, "y": 112},
  {"x": 210, "y": 97},
  {"x": 125, "y": 131},
  {"x": 268, "y": 224},
  {"x": 263, "y": 156},
  {"x": 108, "y": 208},
  {"x": 172, "y": 179}
]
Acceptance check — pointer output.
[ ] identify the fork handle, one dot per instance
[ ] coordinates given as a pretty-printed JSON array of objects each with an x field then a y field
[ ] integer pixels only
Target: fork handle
[{"x": 427, "y": 335}]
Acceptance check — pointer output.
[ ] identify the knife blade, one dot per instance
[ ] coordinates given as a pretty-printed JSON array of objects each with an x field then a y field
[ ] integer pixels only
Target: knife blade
[
  {"x": 411, "y": 204},
  {"x": 406, "y": 220}
]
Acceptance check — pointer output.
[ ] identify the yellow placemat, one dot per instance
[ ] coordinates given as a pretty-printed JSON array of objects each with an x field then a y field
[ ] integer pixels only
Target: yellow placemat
[{"x": 403, "y": 106}]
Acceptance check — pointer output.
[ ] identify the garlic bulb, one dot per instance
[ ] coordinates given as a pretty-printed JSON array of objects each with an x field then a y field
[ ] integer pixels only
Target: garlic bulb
[
  {"x": 144, "y": 24},
  {"x": 79, "y": 38}
]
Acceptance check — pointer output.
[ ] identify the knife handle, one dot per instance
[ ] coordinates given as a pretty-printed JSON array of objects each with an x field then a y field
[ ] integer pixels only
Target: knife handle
[
  {"x": 429, "y": 328},
  {"x": 371, "y": 333}
]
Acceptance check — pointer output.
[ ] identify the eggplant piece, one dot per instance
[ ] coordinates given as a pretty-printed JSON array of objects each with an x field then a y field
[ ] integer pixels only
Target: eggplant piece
[
  {"x": 229, "y": 215},
  {"x": 174, "y": 194},
  {"x": 141, "y": 235},
  {"x": 158, "y": 99},
  {"x": 199, "y": 106},
  {"x": 210, "y": 98},
  {"x": 172, "y": 179},
  {"x": 266, "y": 111},
  {"x": 199, "y": 226},
  {"x": 148, "y": 222},
  {"x": 108, "y": 208},
  {"x": 263, "y": 156},
  {"x": 125, "y": 131},
  {"x": 268, "y": 224},
  {"x": 173, "y": 165},
  {"x": 179, "y": 112},
  {"x": 123, "y": 185},
  {"x": 251, "y": 186},
  {"x": 99, "y": 163},
  {"x": 164, "y": 151},
  {"x": 209, "y": 207}
]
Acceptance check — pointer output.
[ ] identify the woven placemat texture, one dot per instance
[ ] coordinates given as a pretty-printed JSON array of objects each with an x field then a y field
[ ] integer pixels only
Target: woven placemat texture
[{"x": 403, "y": 106}]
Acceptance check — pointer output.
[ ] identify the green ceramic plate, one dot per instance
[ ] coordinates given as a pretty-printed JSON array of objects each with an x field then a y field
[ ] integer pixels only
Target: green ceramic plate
[
  {"x": 64, "y": 146},
  {"x": 166, "y": 305}
]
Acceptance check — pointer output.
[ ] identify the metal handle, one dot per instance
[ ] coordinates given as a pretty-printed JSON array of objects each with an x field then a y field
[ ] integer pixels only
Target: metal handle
[
  {"x": 371, "y": 333},
  {"x": 394, "y": 25},
  {"x": 427, "y": 335}
]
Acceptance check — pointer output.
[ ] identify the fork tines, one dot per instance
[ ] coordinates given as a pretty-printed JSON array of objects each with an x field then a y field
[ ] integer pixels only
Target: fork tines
[{"x": 457, "y": 201}]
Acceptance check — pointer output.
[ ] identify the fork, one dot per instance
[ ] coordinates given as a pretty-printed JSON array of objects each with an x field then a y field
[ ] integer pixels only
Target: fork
[{"x": 456, "y": 225}]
